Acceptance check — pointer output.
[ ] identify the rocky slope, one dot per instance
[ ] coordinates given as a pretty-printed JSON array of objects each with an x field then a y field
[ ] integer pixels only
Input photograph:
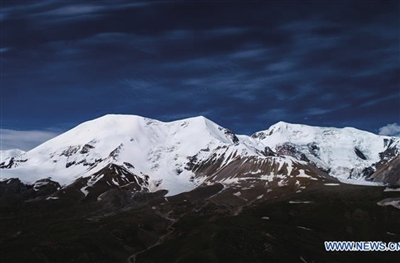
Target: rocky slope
[{"x": 388, "y": 173}]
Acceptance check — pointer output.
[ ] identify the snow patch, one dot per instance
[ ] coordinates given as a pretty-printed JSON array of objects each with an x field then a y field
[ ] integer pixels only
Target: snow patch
[
  {"x": 39, "y": 184},
  {"x": 299, "y": 202},
  {"x": 387, "y": 189},
  {"x": 84, "y": 191},
  {"x": 305, "y": 228},
  {"x": 302, "y": 174},
  {"x": 359, "y": 181},
  {"x": 395, "y": 202}
]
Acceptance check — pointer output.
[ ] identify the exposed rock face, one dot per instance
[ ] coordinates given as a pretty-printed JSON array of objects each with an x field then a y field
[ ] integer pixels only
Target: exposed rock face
[
  {"x": 268, "y": 152},
  {"x": 12, "y": 162},
  {"x": 110, "y": 177},
  {"x": 45, "y": 187},
  {"x": 291, "y": 150},
  {"x": 14, "y": 189},
  {"x": 86, "y": 148},
  {"x": 360, "y": 153},
  {"x": 388, "y": 173},
  {"x": 391, "y": 151},
  {"x": 230, "y": 134}
]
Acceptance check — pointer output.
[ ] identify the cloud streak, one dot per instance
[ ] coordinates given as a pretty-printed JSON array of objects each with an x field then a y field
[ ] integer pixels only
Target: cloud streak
[
  {"x": 23, "y": 140},
  {"x": 74, "y": 10}
]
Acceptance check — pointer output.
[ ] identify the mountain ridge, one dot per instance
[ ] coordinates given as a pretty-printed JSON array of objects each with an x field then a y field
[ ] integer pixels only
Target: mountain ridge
[{"x": 182, "y": 154}]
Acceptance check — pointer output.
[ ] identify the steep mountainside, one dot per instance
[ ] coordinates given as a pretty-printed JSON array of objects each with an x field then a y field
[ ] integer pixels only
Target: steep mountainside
[{"x": 388, "y": 173}]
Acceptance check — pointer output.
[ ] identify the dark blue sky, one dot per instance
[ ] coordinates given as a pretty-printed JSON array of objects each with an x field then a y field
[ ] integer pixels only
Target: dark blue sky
[{"x": 245, "y": 65}]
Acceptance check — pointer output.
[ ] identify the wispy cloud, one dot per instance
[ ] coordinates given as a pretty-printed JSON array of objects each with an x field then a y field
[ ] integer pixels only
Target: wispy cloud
[
  {"x": 390, "y": 130},
  {"x": 280, "y": 66},
  {"x": 381, "y": 99},
  {"x": 4, "y": 49},
  {"x": 249, "y": 54},
  {"x": 321, "y": 111},
  {"x": 74, "y": 10},
  {"x": 80, "y": 9},
  {"x": 23, "y": 140},
  {"x": 22, "y": 9}
]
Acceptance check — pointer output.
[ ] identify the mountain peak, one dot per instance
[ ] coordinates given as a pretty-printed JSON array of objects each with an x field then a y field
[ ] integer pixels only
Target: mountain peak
[{"x": 282, "y": 125}]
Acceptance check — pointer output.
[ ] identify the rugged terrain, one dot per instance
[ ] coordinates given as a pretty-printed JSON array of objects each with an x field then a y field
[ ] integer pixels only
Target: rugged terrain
[
  {"x": 125, "y": 188},
  {"x": 208, "y": 224}
]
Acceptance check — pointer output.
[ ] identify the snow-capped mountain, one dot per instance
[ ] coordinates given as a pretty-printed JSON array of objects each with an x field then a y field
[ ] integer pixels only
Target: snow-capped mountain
[
  {"x": 346, "y": 153},
  {"x": 138, "y": 153},
  {"x": 142, "y": 146}
]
